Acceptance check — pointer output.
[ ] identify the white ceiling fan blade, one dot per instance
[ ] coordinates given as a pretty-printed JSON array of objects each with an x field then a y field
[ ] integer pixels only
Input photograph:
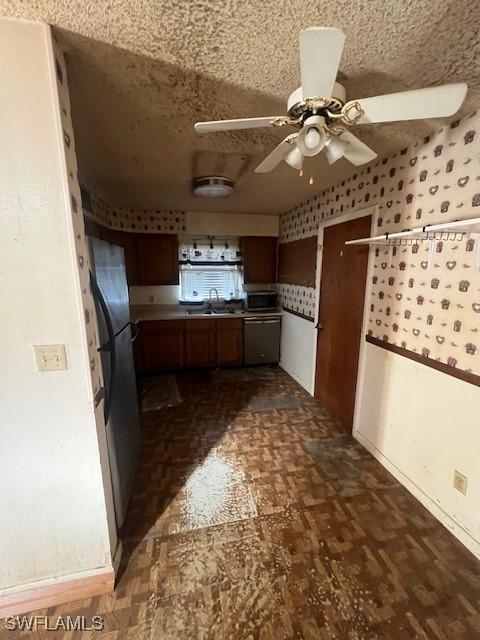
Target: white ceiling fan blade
[
  {"x": 277, "y": 155},
  {"x": 357, "y": 152},
  {"x": 320, "y": 53},
  {"x": 432, "y": 102},
  {"x": 230, "y": 125}
]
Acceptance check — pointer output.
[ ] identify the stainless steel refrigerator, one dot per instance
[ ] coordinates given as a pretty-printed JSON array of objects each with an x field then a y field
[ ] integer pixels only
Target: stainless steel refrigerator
[{"x": 115, "y": 336}]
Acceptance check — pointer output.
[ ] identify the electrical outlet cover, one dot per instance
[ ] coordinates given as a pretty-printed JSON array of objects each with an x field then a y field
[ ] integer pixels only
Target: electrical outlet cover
[{"x": 460, "y": 482}]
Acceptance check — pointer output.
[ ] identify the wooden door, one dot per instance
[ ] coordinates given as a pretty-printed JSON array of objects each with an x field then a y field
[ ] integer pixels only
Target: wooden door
[
  {"x": 259, "y": 259},
  {"x": 342, "y": 293},
  {"x": 229, "y": 342},
  {"x": 200, "y": 342},
  {"x": 157, "y": 258}
]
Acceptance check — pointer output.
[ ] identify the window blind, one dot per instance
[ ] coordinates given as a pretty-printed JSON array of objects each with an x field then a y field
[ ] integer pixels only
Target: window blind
[{"x": 197, "y": 280}]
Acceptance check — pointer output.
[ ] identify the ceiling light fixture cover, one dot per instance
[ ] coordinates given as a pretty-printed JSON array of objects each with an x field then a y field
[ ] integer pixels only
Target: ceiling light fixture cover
[
  {"x": 312, "y": 136},
  {"x": 213, "y": 187},
  {"x": 294, "y": 158},
  {"x": 335, "y": 148}
]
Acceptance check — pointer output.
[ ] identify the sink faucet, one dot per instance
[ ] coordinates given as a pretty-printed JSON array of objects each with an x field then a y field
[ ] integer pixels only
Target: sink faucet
[{"x": 210, "y": 295}]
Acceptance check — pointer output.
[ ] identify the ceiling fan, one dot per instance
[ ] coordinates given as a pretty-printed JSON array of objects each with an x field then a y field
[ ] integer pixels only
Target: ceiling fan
[{"x": 320, "y": 113}]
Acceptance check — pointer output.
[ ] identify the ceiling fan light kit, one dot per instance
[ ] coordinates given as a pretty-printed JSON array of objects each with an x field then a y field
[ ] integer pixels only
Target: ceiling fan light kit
[
  {"x": 320, "y": 111},
  {"x": 312, "y": 136},
  {"x": 213, "y": 187},
  {"x": 335, "y": 148},
  {"x": 294, "y": 158}
]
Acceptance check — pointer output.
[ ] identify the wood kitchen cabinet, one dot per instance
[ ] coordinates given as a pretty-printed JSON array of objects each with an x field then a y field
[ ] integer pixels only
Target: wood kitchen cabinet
[
  {"x": 191, "y": 343},
  {"x": 150, "y": 258},
  {"x": 157, "y": 256},
  {"x": 162, "y": 345},
  {"x": 259, "y": 259},
  {"x": 229, "y": 342},
  {"x": 93, "y": 228},
  {"x": 297, "y": 262},
  {"x": 200, "y": 342}
]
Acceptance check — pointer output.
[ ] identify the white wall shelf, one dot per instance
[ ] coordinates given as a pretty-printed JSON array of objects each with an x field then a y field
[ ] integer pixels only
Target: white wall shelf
[{"x": 444, "y": 231}]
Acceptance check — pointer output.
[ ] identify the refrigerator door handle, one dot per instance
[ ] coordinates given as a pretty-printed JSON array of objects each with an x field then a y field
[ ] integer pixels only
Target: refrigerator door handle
[
  {"x": 109, "y": 346},
  {"x": 135, "y": 331}
]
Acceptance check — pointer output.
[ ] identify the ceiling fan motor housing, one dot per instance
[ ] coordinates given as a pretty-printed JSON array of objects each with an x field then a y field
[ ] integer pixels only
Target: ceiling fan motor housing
[{"x": 296, "y": 106}]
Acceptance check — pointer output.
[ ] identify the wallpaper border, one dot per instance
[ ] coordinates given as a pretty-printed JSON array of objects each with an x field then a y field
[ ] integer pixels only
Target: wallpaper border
[
  {"x": 298, "y": 314},
  {"x": 460, "y": 374}
]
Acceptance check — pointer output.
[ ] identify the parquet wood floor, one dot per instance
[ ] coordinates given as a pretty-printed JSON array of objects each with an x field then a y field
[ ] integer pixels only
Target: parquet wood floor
[{"x": 238, "y": 530}]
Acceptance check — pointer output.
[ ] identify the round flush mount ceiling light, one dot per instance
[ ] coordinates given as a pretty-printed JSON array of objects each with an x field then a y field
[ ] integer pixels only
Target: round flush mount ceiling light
[{"x": 213, "y": 187}]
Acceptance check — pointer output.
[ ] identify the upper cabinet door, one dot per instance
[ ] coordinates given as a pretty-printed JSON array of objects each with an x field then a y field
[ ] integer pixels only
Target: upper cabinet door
[
  {"x": 259, "y": 259},
  {"x": 157, "y": 258}
]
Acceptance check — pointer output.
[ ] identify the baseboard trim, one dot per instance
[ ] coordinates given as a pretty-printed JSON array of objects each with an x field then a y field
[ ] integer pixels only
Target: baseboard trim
[
  {"x": 293, "y": 375},
  {"x": 59, "y": 592},
  {"x": 433, "y": 507}
]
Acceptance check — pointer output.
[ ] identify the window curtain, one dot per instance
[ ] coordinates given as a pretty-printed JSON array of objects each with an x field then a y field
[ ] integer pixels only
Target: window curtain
[{"x": 203, "y": 250}]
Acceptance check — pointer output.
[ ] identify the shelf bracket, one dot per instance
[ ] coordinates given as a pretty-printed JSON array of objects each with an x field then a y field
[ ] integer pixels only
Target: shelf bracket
[{"x": 432, "y": 245}]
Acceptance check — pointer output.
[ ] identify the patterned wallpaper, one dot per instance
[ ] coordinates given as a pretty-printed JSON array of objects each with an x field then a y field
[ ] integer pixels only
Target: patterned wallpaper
[
  {"x": 431, "y": 309},
  {"x": 77, "y": 216},
  {"x": 137, "y": 220},
  {"x": 297, "y": 298},
  {"x": 301, "y": 221}
]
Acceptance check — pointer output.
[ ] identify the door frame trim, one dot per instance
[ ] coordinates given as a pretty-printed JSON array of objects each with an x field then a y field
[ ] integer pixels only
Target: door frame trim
[{"x": 330, "y": 222}]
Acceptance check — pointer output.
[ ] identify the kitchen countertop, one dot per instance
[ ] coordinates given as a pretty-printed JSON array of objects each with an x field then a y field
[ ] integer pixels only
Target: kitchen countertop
[{"x": 144, "y": 312}]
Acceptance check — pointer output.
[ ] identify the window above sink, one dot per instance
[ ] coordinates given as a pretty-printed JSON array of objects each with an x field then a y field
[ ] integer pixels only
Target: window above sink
[{"x": 210, "y": 269}]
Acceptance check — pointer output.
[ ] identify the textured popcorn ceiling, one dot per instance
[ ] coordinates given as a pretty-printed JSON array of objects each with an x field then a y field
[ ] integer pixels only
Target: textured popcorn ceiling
[{"x": 143, "y": 72}]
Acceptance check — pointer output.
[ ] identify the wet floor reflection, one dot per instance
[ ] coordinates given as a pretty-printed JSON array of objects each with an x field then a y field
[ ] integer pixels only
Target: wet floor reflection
[{"x": 216, "y": 493}]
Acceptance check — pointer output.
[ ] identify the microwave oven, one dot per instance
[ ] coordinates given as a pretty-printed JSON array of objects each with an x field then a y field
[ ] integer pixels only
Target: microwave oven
[{"x": 261, "y": 301}]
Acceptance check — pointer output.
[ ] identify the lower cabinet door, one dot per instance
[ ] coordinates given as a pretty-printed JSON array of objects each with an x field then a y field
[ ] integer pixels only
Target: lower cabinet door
[
  {"x": 200, "y": 343},
  {"x": 162, "y": 345},
  {"x": 229, "y": 346},
  {"x": 199, "y": 349}
]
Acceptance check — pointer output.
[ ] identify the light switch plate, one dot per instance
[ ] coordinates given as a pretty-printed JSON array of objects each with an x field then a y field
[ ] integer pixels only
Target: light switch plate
[{"x": 50, "y": 357}]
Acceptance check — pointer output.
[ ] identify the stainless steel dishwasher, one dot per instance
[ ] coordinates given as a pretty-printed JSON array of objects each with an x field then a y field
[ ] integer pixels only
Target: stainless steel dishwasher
[{"x": 262, "y": 340}]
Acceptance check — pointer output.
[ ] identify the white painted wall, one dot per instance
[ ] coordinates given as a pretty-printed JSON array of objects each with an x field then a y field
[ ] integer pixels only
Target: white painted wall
[
  {"x": 298, "y": 349},
  {"x": 154, "y": 294},
  {"x": 233, "y": 224},
  {"x": 422, "y": 425},
  {"x": 54, "y": 522}
]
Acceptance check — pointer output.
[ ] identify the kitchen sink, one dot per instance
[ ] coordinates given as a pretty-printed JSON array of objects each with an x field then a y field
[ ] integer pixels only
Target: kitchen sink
[{"x": 214, "y": 312}]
